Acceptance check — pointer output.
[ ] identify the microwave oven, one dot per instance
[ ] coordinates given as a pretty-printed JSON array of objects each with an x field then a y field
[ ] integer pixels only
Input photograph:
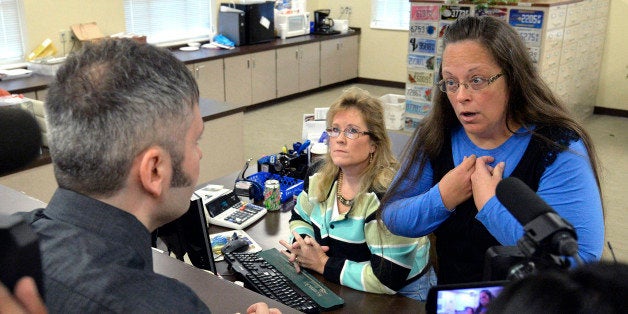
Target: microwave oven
[{"x": 297, "y": 23}]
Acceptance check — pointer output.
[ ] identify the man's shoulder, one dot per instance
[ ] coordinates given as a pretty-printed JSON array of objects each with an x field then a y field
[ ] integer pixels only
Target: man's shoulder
[
  {"x": 120, "y": 289},
  {"x": 148, "y": 292}
]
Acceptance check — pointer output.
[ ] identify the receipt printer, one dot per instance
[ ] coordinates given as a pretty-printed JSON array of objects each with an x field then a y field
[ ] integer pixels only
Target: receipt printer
[{"x": 244, "y": 190}]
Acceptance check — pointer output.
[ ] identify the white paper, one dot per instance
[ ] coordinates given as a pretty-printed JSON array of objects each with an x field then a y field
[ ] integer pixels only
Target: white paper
[{"x": 320, "y": 113}]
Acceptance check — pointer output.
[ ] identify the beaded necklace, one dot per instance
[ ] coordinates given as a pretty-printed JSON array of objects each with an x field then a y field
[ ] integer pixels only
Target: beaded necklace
[{"x": 339, "y": 196}]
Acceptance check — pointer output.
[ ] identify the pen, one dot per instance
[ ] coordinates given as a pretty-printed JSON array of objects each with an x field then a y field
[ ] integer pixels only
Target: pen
[{"x": 303, "y": 147}]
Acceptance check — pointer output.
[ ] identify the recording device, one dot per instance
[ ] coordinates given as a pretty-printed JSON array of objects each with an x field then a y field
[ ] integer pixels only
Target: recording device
[
  {"x": 547, "y": 238},
  {"x": 456, "y": 298},
  {"x": 545, "y": 231},
  {"x": 20, "y": 252},
  {"x": 20, "y": 139}
]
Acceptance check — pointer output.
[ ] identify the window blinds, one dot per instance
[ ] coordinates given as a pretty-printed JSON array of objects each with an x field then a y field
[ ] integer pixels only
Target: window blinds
[
  {"x": 390, "y": 14},
  {"x": 11, "y": 33},
  {"x": 169, "y": 22}
]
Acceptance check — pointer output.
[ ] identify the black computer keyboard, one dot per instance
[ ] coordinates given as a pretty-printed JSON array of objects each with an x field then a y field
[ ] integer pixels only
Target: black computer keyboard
[{"x": 258, "y": 274}]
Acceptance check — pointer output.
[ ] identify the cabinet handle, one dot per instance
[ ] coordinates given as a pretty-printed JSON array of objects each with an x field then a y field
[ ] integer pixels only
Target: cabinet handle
[
  {"x": 296, "y": 54},
  {"x": 248, "y": 64}
]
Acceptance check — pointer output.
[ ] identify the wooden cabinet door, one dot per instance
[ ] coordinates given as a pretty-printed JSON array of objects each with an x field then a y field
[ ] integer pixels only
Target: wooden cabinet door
[
  {"x": 263, "y": 76},
  {"x": 309, "y": 66},
  {"x": 330, "y": 63},
  {"x": 287, "y": 71},
  {"x": 238, "y": 80},
  {"x": 349, "y": 58},
  {"x": 210, "y": 79}
]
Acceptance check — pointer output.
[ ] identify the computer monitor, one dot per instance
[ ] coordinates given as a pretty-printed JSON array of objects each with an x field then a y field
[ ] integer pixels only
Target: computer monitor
[{"x": 189, "y": 234}]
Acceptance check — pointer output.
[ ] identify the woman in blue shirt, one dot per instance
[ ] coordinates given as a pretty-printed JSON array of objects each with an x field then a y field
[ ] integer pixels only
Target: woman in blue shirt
[{"x": 492, "y": 117}]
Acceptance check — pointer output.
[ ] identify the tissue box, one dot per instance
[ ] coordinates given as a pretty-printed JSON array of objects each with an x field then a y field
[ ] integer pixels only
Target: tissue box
[
  {"x": 394, "y": 108},
  {"x": 45, "y": 68}
]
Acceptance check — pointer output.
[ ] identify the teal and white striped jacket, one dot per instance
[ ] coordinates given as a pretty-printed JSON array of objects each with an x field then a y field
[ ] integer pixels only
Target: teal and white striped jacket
[{"x": 363, "y": 254}]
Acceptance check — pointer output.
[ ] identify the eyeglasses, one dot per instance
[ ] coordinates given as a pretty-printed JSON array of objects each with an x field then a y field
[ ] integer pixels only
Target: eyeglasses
[
  {"x": 476, "y": 83},
  {"x": 349, "y": 132}
]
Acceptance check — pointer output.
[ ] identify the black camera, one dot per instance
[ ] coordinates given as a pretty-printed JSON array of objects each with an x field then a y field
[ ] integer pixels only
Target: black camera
[{"x": 20, "y": 252}]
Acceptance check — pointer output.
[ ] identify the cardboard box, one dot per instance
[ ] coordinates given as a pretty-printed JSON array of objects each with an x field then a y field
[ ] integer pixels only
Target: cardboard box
[{"x": 87, "y": 32}]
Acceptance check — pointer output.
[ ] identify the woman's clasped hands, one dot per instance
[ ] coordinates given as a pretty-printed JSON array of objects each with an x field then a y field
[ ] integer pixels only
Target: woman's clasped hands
[
  {"x": 306, "y": 253},
  {"x": 472, "y": 177}
]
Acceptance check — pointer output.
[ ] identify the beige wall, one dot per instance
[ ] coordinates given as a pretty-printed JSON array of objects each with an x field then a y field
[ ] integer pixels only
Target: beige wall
[
  {"x": 45, "y": 18},
  {"x": 613, "y": 88},
  {"x": 382, "y": 53}
]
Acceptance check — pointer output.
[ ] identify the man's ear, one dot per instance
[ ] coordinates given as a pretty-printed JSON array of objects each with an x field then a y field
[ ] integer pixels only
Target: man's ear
[{"x": 154, "y": 169}]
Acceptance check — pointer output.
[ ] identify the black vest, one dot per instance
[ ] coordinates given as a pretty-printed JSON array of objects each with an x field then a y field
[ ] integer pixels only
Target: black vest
[{"x": 462, "y": 240}]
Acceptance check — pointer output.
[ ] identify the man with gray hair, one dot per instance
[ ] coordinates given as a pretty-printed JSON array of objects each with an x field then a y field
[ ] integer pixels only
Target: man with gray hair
[
  {"x": 124, "y": 122},
  {"x": 124, "y": 125}
]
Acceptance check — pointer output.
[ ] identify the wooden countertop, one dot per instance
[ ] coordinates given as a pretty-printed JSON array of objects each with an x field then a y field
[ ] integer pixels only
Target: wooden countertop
[{"x": 38, "y": 82}]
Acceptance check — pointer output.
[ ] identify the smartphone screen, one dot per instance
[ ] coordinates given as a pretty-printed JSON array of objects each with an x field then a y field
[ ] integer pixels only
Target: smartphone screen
[{"x": 462, "y": 298}]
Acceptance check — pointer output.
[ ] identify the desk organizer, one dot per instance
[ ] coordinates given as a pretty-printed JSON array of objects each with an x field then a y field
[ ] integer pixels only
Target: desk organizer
[{"x": 287, "y": 185}]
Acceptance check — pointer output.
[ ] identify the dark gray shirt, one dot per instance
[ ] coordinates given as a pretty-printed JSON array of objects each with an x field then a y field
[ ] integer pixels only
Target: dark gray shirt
[{"x": 97, "y": 258}]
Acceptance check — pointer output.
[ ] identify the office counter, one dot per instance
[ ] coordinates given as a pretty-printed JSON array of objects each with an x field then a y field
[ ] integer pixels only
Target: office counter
[
  {"x": 220, "y": 295},
  {"x": 275, "y": 226},
  {"x": 14, "y": 201},
  {"x": 225, "y": 297}
]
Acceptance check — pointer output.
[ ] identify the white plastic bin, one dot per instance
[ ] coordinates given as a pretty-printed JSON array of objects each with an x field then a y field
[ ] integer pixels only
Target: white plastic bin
[{"x": 394, "y": 108}]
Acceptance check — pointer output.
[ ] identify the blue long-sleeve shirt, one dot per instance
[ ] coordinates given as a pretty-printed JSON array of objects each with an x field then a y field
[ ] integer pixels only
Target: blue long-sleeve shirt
[{"x": 568, "y": 185}]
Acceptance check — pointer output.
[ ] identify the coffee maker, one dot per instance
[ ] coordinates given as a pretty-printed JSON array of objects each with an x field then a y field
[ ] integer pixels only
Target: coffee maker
[{"x": 323, "y": 23}]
